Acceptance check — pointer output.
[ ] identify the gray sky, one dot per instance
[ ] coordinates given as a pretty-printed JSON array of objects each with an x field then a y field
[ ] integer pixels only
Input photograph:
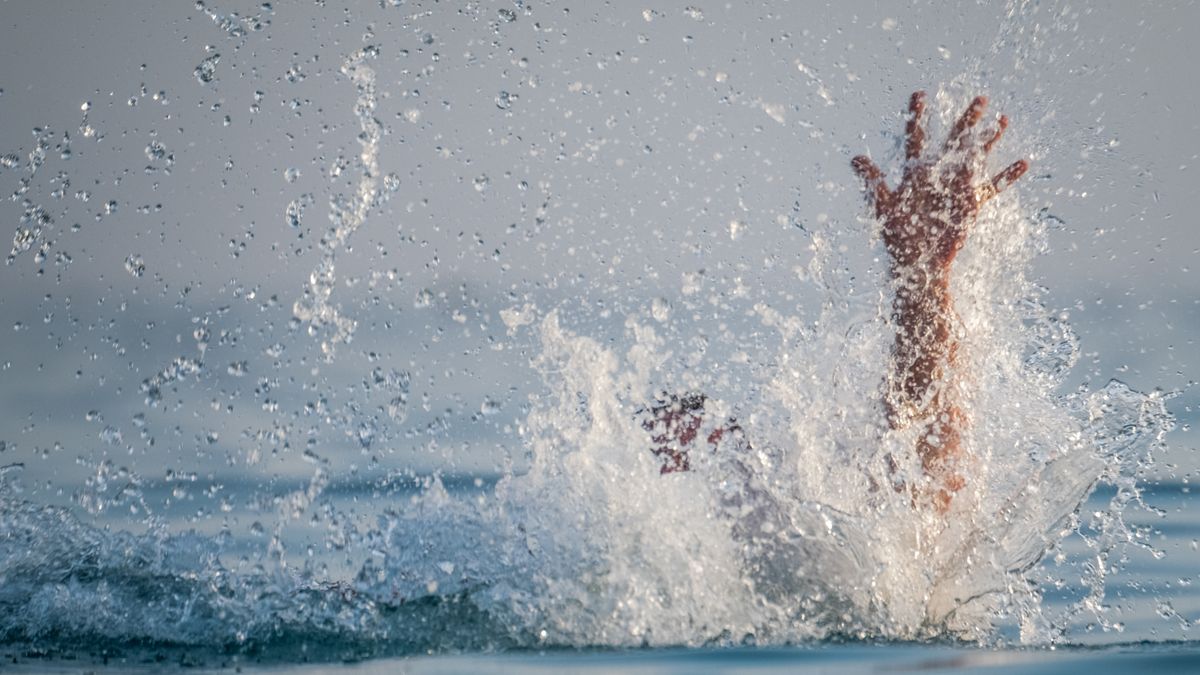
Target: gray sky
[{"x": 580, "y": 153}]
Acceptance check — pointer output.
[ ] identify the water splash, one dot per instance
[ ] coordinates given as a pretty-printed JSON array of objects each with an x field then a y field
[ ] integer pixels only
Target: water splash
[{"x": 347, "y": 214}]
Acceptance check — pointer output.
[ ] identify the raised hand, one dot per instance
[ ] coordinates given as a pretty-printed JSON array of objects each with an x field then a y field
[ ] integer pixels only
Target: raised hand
[
  {"x": 927, "y": 217},
  {"x": 925, "y": 222}
]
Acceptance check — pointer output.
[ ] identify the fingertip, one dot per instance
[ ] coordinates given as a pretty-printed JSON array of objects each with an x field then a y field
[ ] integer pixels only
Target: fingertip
[
  {"x": 916, "y": 104},
  {"x": 1018, "y": 169},
  {"x": 1003, "y": 122},
  {"x": 863, "y": 165},
  {"x": 977, "y": 107}
]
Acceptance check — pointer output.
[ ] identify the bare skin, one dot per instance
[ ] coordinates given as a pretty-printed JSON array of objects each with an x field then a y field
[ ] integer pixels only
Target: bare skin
[{"x": 926, "y": 220}]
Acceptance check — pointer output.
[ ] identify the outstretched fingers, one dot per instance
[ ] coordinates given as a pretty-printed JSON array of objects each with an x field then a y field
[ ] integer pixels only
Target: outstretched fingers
[
  {"x": 877, "y": 189},
  {"x": 970, "y": 118},
  {"x": 915, "y": 130},
  {"x": 1001, "y": 126},
  {"x": 1003, "y": 180}
]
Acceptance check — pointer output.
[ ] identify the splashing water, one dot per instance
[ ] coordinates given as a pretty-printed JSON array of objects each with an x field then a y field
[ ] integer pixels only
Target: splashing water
[
  {"x": 791, "y": 540},
  {"x": 347, "y": 215},
  {"x": 788, "y": 530}
]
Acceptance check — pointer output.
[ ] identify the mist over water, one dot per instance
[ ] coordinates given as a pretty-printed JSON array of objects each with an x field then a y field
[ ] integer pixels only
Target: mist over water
[{"x": 348, "y": 342}]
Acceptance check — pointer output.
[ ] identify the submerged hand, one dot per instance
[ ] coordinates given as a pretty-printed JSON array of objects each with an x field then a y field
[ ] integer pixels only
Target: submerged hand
[{"x": 926, "y": 218}]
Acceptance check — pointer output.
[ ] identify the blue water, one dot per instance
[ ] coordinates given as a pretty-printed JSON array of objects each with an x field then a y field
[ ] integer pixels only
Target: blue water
[
  {"x": 847, "y": 659},
  {"x": 1153, "y": 597}
]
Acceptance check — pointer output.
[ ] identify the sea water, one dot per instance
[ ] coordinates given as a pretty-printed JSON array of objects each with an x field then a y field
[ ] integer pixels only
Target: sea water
[{"x": 573, "y": 543}]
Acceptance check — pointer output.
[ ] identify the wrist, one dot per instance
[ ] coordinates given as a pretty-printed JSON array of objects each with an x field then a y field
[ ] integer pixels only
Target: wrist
[{"x": 921, "y": 287}]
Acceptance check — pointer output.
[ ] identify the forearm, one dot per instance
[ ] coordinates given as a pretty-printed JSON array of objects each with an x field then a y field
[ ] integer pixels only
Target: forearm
[{"x": 925, "y": 346}]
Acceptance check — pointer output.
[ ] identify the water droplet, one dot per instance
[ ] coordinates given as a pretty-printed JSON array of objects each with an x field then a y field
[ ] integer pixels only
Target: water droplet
[
  {"x": 694, "y": 13},
  {"x": 294, "y": 213},
  {"x": 391, "y": 182},
  {"x": 291, "y": 174},
  {"x": 490, "y": 407},
  {"x": 135, "y": 265},
  {"x": 504, "y": 100},
  {"x": 481, "y": 183},
  {"x": 155, "y": 151},
  {"x": 423, "y": 299},
  {"x": 207, "y": 70},
  {"x": 110, "y": 435},
  {"x": 660, "y": 309}
]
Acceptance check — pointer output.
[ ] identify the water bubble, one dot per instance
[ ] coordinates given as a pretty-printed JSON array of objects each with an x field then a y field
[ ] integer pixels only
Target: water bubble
[{"x": 135, "y": 265}]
